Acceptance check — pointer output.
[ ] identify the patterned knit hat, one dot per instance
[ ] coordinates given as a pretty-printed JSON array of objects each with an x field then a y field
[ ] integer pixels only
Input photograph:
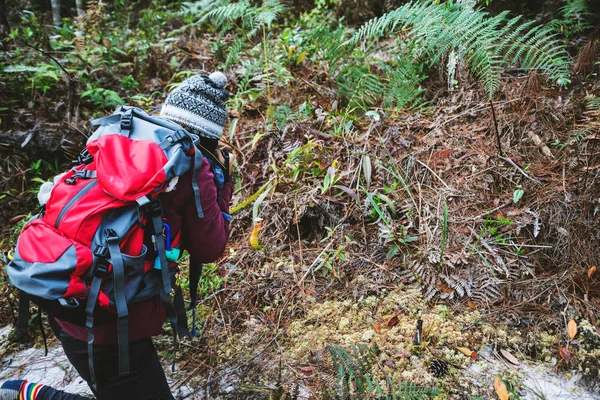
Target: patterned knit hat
[{"x": 198, "y": 104}]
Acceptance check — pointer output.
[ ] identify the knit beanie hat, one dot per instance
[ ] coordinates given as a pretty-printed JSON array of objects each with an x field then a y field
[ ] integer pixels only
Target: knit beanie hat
[{"x": 198, "y": 104}]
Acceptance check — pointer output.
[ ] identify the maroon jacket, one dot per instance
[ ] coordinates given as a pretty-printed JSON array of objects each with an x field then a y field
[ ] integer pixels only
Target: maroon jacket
[{"x": 204, "y": 239}]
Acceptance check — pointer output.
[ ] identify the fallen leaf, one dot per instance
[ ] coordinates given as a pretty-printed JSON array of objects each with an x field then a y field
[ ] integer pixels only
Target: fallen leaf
[
  {"x": 307, "y": 370},
  {"x": 500, "y": 389},
  {"x": 474, "y": 356},
  {"x": 444, "y": 288},
  {"x": 572, "y": 329},
  {"x": 471, "y": 304},
  {"x": 254, "y": 236},
  {"x": 377, "y": 327},
  {"x": 591, "y": 272},
  {"x": 466, "y": 351},
  {"x": 564, "y": 354},
  {"x": 16, "y": 219},
  {"x": 393, "y": 321},
  {"x": 391, "y": 364},
  {"x": 509, "y": 357}
]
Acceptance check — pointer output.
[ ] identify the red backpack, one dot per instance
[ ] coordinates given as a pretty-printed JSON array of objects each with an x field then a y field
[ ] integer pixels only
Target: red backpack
[{"x": 83, "y": 258}]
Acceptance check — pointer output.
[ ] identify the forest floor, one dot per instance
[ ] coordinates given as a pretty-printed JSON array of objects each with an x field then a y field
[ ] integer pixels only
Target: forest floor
[{"x": 478, "y": 219}]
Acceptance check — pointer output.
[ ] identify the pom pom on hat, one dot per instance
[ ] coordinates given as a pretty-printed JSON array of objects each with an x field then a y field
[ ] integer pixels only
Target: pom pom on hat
[
  {"x": 198, "y": 104},
  {"x": 218, "y": 78}
]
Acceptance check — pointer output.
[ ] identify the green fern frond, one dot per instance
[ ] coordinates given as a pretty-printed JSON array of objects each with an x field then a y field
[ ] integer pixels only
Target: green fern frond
[
  {"x": 593, "y": 103},
  {"x": 343, "y": 361},
  {"x": 234, "y": 53},
  {"x": 490, "y": 44},
  {"x": 410, "y": 391},
  {"x": 269, "y": 12},
  {"x": 574, "y": 19},
  {"x": 403, "y": 84},
  {"x": 225, "y": 16}
]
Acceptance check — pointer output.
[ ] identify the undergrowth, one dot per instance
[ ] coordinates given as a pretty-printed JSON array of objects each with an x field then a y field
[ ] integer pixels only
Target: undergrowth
[{"x": 367, "y": 153}]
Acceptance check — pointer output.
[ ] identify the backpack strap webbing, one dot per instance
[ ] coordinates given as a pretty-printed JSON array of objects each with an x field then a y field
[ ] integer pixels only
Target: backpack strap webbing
[
  {"x": 23, "y": 317},
  {"x": 197, "y": 164},
  {"x": 175, "y": 310},
  {"x": 116, "y": 259},
  {"x": 99, "y": 268}
]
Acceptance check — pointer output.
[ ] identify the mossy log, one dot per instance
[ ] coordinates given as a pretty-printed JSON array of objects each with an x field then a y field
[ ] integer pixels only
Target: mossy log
[{"x": 37, "y": 143}]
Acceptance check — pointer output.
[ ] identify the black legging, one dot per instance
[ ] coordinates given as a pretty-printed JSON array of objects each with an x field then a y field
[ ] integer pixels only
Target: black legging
[{"x": 146, "y": 379}]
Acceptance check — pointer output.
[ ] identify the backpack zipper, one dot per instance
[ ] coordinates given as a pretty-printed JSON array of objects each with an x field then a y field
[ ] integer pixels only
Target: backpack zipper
[{"x": 73, "y": 200}]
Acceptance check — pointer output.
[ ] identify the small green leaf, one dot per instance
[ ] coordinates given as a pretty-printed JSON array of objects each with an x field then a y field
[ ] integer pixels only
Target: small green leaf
[
  {"x": 393, "y": 251},
  {"x": 373, "y": 114},
  {"x": 517, "y": 195}
]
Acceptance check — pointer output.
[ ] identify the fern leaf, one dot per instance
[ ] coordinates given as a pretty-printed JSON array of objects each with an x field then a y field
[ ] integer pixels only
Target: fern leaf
[{"x": 490, "y": 43}]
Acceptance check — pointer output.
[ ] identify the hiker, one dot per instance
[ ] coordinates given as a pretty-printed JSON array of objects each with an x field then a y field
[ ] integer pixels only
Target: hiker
[{"x": 198, "y": 105}]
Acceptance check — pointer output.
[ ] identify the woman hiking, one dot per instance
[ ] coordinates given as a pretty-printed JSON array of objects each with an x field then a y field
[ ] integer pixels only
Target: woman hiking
[{"x": 197, "y": 105}]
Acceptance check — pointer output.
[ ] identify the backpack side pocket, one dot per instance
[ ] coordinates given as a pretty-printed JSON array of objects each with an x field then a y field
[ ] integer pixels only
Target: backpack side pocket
[{"x": 44, "y": 261}]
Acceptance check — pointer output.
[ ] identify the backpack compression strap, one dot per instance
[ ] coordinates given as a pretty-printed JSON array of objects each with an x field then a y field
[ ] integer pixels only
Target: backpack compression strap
[
  {"x": 119, "y": 289},
  {"x": 99, "y": 268},
  {"x": 175, "y": 311},
  {"x": 23, "y": 318}
]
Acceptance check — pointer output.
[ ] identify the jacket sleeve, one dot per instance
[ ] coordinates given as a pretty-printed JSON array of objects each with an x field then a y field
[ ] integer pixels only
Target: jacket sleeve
[{"x": 204, "y": 238}]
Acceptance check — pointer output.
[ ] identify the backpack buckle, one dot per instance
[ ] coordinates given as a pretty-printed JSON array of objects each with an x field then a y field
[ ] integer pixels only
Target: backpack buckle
[
  {"x": 111, "y": 236},
  {"x": 102, "y": 251},
  {"x": 83, "y": 158},
  {"x": 126, "y": 121},
  {"x": 101, "y": 270},
  {"x": 155, "y": 207}
]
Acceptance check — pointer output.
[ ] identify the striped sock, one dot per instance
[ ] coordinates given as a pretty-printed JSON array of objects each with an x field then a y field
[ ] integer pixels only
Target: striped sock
[
  {"x": 29, "y": 391},
  {"x": 9, "y": 390}
]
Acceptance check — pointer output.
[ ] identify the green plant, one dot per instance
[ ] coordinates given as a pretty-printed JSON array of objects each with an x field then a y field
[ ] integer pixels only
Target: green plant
[
  {"x": 247, "y": 20},
  {"x": 330, "y": 259},
  {"x": 103, "y": 98},
  {"x": 574, "y": 19},
  {"x": 331, "y": 177},
  {"x": 487, "y": 43},
  {"x": 249, "y": 88},
  {"x": 355, "y": 378},
  {"x": 299, "y": 161},
  {"x": 210, "y": 281},
  {"x": 41, "y": 77},
  {"x": 445, "y": 312},
  {"x": 395, "y": 234},
  {"x": 518, "y": 194}
]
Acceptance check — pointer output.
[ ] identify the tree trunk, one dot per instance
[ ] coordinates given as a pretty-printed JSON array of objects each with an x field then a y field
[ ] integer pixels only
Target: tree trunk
[
  {"x": 80, "y": 7},
  {"x": 56, "y": 12},
  {"x": 37, "y": 143},
  {"x": 4, "y": 26}
]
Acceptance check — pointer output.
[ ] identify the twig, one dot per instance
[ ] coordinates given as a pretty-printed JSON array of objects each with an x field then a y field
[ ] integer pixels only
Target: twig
[
  {"x": 496, "y": 127},
  {"x": 434, "y": 174},
  {"x": 485, "y": 214},
  {"x": 315, "y": 262},
  {"x": 511, "y": 162}
]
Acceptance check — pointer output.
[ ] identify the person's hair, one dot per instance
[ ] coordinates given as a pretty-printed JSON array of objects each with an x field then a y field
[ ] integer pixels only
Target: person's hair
[{"x": 209, "y": 144}]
